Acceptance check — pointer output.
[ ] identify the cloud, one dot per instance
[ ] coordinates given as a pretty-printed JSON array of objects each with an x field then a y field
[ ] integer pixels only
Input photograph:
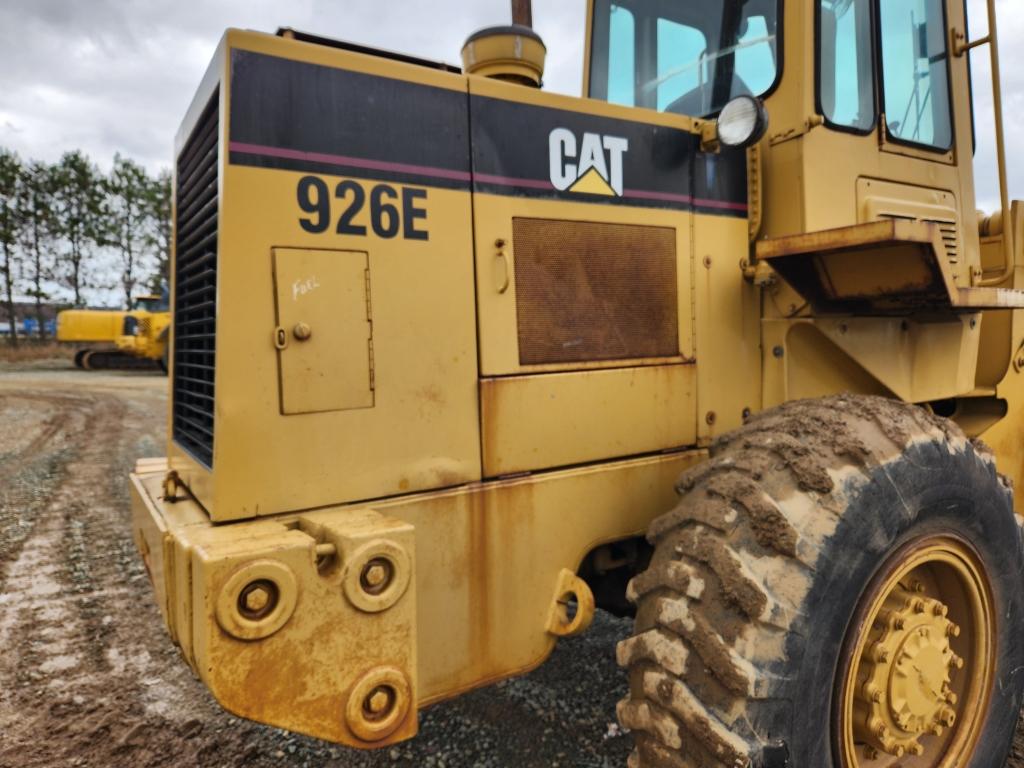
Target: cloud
[{"x": 109, "y": 76}]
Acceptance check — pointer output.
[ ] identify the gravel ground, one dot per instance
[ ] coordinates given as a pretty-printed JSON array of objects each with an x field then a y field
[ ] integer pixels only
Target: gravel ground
[{"x": 88, "y": 676}]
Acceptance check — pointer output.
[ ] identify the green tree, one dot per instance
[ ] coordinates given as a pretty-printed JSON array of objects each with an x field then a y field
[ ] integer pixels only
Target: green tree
[
  {"x": 10, "y": 229},
  {"x": 158, "y": 202},
  {"x": 36, "y": 205},
  {"x": 82, "y": 220},
  {"x": 129, "y": 189}
]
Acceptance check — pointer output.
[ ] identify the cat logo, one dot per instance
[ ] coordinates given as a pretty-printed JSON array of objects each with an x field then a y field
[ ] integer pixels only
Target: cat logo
[{"x": 592, "y": 166}]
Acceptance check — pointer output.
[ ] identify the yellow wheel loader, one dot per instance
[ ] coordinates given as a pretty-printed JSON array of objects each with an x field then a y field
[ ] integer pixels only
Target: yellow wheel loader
[
  {"x": 121, "y": 339},
  {"x": 455, "y": 360}
]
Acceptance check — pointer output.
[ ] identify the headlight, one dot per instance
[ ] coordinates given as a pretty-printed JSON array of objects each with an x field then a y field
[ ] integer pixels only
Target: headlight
[{"x": 742, "y": 122}]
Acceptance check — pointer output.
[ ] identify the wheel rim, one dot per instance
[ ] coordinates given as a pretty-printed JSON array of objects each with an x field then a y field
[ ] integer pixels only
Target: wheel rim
[{"x": 918, "y": 661}]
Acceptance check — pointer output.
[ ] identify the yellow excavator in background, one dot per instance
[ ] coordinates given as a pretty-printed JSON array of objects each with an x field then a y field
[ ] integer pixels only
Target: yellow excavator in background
[
  {"x": 119, "y": 339},
  {"x": 725, "y": 344}
]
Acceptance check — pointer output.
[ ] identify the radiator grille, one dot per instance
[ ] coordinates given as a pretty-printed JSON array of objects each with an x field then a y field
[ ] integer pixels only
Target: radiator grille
[
  {"x": 590, "y": 291},
  {"x": 195, "y": 281}
]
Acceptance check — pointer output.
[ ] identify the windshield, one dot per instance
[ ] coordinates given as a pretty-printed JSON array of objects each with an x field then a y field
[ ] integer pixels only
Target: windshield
[
  {"x": 685, "y": 56},
  {"x": 150, "y": 304}
]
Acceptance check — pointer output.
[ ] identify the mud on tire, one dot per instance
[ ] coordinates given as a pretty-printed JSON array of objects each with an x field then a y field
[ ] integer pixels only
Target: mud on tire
[{"x": 758, "y": 570}]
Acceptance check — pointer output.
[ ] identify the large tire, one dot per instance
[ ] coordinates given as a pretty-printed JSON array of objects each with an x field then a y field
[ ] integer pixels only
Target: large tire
[{"x": 760, "y": 570}]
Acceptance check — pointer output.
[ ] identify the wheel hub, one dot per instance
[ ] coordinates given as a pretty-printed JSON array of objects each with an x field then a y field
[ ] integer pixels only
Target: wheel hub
[{"x": 909, "y": 668}]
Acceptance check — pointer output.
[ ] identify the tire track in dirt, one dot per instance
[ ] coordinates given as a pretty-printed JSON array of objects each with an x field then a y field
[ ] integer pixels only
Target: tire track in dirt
[
  {"x": 71, "y": 605},
  {"x": 30, "y": 472}
]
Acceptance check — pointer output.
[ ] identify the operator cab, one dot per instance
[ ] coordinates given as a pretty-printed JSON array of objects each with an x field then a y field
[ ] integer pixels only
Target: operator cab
[
  {"x": 880, "y": 132},
  {"x": 152, "y": 302}
]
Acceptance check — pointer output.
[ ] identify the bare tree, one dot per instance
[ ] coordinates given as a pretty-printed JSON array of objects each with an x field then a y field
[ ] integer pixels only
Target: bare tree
[
  {"x": 10, "y": 228},
  {"x": 128, "y": 188},
  {"x": 158, "y": 201},
  {"x": 36, "y": 206},
  {"x": 82, "y": 221}
]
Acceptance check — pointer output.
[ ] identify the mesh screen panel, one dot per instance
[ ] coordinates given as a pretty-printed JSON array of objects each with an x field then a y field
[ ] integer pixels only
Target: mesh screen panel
[
  {"x": 590, "y": 291},
  {"x": 195, "y": 288}
]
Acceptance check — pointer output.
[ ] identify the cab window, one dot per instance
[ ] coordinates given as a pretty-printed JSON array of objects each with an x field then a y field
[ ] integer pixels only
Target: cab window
[
  {"x": 846, "y": 76},
  {"x": 915, "y": 74},
  {"x": 685, "y": 56}
]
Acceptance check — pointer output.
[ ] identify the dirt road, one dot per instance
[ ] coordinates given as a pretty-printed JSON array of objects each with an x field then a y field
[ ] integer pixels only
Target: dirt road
[{"x": 89, "y": 678}]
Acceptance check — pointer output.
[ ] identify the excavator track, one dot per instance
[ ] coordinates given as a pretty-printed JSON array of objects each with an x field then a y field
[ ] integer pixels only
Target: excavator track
[{"x": 115, "y": 360}]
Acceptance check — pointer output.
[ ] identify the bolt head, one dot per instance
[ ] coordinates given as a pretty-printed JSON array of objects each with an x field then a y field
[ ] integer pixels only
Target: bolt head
[
  {"x": 375, "y": 575},
  {"x": 378, "y": 700},
  {"x": 256, "y": 599}
]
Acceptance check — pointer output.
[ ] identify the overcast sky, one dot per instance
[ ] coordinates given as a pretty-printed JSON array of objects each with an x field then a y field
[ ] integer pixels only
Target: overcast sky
[{"x": 117, "y": 75}]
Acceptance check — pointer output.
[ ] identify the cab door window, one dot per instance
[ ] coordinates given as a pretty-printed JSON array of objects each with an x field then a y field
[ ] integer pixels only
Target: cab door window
[
  {"x": 846, "y": 76},
  {"x": 915, "y": 72}
]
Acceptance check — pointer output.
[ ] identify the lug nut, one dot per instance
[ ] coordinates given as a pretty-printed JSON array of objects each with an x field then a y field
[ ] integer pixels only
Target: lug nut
[
  {"x": 916, "y": 749},
  {"x": 893, "y": 748}
]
